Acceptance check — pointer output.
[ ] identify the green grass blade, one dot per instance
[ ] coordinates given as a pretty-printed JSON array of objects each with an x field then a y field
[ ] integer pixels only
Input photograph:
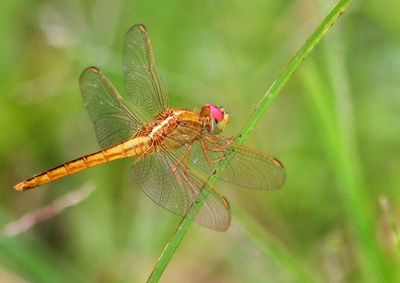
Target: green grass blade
[
  {"x": 341, "y": 145},
  {"x": 266, "y": 101}
]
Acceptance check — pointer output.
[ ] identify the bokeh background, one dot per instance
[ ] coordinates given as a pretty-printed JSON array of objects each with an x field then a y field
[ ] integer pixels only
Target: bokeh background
[{"x": 335, "y": 126}]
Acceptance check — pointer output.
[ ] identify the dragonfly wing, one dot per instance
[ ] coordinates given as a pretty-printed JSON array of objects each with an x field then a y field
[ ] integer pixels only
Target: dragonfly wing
[
  {"x": 113, "y": 121},
  {"x": 249, "y": 168},
  {"x": 254, "y": 170},
  {"x": 144, "y": 87},
  {"x": 175, "y": 188}
]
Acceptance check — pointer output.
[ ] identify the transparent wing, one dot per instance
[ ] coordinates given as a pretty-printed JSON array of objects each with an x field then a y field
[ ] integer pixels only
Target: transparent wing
[
  {"x": 254, "y": 170},
  {"x": 144, "y": 88},
  {"x": 113, "y": 121},
  {"x": 249, "y": 168},
  {"x": 169, "y": 184}
]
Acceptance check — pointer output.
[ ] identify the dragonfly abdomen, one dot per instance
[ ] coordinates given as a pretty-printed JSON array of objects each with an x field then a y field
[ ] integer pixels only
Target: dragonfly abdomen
[{"x": 133, "y": 147}]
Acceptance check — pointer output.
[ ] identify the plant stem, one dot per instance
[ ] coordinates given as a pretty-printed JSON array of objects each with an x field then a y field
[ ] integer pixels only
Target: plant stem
[{"x": 265, "y": 102}]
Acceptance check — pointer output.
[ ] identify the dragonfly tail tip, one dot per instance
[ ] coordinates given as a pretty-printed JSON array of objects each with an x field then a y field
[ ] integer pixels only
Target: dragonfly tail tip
[{"x": 20, "y": 187}]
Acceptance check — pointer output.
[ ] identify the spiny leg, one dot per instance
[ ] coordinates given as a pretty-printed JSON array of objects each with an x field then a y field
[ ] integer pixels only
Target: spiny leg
[
  {"x": 205, "y": 150},
  {"x": 176, "y": 162},
  {"x": 183, "y": 159},
  {"x": 218, "y": 144}
]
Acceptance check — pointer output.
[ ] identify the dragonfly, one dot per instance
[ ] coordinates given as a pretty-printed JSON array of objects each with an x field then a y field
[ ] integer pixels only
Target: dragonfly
[{"x": 174, "y": 149}]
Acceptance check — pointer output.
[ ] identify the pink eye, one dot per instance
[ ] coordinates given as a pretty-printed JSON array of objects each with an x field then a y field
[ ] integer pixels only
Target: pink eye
[{"x": 216, "y": 113}]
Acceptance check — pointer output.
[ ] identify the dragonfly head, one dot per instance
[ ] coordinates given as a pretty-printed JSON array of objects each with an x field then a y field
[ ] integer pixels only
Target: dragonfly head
[{"x": 216, "y": 117}]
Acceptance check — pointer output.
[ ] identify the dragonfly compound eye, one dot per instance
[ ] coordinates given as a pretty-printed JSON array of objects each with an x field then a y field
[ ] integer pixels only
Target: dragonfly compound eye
[{"x": 218, "y": 118}]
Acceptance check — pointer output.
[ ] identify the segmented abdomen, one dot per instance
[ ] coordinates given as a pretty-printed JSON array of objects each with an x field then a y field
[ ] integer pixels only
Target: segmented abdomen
[{"x": 133, "y": 147}]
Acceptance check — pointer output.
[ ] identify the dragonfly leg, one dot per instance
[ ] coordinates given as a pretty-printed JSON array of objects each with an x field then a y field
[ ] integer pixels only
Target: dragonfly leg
[
  {"x": 184, "y": 159},
  {"x": 205, "y": 150},
  {"x": 215, "y": 145},
  {"x": 183, "y": 163}
]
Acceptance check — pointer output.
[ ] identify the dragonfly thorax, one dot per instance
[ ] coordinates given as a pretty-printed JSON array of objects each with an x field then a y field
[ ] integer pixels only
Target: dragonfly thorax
[{"x": 172, "y": 128}]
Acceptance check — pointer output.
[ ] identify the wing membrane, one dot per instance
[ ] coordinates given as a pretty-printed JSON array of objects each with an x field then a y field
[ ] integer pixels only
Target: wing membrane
[
  {"x": 163, "y": 178},
  {"x": 174, "y": 177},
  {"x": 113, "y": 121},
  {"x": 254, "y": 170},
  {"x": 144, "y": 87},
  {"x": 249, "y": 168}
]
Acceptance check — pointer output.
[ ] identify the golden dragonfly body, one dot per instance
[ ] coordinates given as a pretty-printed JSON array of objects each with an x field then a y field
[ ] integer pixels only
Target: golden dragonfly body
[{"x": 176, "y": 149}]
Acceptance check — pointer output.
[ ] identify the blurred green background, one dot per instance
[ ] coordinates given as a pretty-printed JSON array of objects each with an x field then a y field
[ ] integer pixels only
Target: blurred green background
[{"x": 335, "y": 127}]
